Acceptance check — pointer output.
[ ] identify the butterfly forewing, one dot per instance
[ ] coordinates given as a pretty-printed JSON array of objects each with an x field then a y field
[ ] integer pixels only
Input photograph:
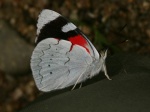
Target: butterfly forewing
[{"x": 52, "y": 24}]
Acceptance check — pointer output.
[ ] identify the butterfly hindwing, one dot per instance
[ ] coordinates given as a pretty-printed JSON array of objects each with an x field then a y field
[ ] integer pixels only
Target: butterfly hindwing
[{"x": 55, "y": 66}]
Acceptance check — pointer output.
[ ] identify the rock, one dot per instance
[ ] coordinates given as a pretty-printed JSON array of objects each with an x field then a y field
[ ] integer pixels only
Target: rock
[
  {"x": 15, "y": 52},
  {"x": 129, "y": 90}
]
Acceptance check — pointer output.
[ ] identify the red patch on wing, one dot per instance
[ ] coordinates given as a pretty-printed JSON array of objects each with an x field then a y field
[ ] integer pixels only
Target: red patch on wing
[{"x": 79, "y": 40}]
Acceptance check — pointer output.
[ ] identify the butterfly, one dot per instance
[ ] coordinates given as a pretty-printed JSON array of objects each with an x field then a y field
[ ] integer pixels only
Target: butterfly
[{"x": 63, "y": 55}]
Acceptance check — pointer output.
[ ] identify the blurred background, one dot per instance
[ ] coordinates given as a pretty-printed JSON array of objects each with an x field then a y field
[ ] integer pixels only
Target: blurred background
[{"x": 120, "y": 26}]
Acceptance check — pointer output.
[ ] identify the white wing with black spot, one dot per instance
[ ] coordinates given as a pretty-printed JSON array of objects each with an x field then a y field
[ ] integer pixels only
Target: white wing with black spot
[{"x": 57, "y": 64}]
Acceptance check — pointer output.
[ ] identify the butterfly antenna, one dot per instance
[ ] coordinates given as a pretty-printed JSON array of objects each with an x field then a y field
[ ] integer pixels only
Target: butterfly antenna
[
  {"x": 122, "y": 41},
  {"x": 123, "y": 27},
  {"x": 125, "y": 40}
]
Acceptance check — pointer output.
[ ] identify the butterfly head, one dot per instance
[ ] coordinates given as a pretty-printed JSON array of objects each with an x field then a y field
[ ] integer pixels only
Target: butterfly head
[{"x": 103, "y": 55}]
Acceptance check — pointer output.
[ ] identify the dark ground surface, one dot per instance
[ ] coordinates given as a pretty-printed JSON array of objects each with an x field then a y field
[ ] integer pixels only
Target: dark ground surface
[
  {"x": 114, "y": 19},
  {"x": 128, "y": 91}
]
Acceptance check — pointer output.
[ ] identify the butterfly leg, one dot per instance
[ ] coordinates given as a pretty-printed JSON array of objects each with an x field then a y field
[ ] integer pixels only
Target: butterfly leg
[
  {"x": 80, "y": 85},
  {"x": 59, "y": 84},
  {"x": 105, "y": 72},
  {"x": 77, "y": 81}
]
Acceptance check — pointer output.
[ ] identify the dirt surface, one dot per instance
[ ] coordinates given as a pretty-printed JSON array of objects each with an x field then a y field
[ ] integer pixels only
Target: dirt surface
[{"x": 112, "y": 22}]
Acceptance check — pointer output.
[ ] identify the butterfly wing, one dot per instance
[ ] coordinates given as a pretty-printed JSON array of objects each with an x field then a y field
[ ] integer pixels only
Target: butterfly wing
[
  {"x": 63, "y": 55},
  {"x": 52, "y": 24},
  {"x": 54, "y": 66}
]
